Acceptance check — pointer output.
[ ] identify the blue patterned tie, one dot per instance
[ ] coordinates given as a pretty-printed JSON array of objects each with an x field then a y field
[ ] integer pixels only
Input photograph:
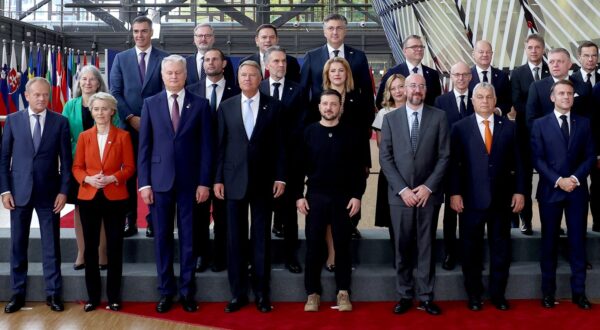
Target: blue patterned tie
[
  {"x": 414, "y": 132},
  {"x": 37, "y": 133},
  {"x": 248, "y": 117}
]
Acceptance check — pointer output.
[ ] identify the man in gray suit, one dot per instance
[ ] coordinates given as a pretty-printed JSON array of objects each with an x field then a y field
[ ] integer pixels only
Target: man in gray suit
[{"x": 414, "y": 154}]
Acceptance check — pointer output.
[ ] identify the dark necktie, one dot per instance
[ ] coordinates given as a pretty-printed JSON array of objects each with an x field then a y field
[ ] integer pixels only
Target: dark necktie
[
  {"x": 175, "y": 112},
  {"x": 463, "y": 109},
  {"x": 564, "y": 127},
  {"x": 415, "y": 70},
  {"x": 414, "y": 132},
  {"x": 589, "y": 81},
  {"x": 143, "y": 66},
  {"x": 202, "y": 72},
  {"x": 485, "y": 78},
  {"x": 37, "y": 133},
  {"x": 336, "y": 52},
  {"x": 213, "y": 98},
  {"x": 536, "y": 73},
  {"x": 276, "y": 90}
]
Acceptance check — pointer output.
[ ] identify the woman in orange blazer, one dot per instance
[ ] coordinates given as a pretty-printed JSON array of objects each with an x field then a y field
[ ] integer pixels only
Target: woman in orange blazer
[{"x": 103, "y": 163}]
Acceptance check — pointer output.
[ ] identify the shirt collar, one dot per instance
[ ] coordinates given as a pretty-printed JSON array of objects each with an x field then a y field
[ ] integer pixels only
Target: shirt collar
[
  {"x": 221, "y": 82},
  {"x": 532, "y": 66},
  {"x": 253, "y": 98},
  {"x": 457, "y": 94},
  {"x": 480, "y": 70},
  {"x": 410, "y": 68},
  {"x": 331, "y": 49},
  {"x": 584, "y": 74},
  {"x": 180, "y": 94},
  {"x": 480, "y": 119},
  {"x": 558, "y": 114},
  {"x": 147, "y": 51},
  {"x": 272, "y": 81},
  {"x": 42, "y": 114},
  {"x": 411, "y": 110}
]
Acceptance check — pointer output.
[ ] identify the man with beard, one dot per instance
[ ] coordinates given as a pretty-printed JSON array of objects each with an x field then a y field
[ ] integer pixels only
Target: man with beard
[
  {"x": 414, "y": 154},
  {"x": 204, "y": 39}
]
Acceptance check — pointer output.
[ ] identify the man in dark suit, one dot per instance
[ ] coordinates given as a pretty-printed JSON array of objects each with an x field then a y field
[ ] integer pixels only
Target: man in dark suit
[
  {"x": 563, "y": 154},
  {"x": 250, "y": 173},
  {"x": 175, "y": 172},
  {"x": 216, "y": 88},
  {"x": 457, "y": 104},
  {"x": 266, "y": 36},
  {"x": 414, "y": 153},
  {"x": 311, "y": 75},
  {"x": 486, "y": 186},
  {"x": 204, "y": 39},
  {"x": 483, "y": 71},
  {"x": 135, "y": 76},
  {"x": 588, "y": 76},
  {"x": 293, "y": 101},
  {"x": 35, "y": 167},
  {"x": 521, "y": 79},
  {"x": 413, "y": 50}
]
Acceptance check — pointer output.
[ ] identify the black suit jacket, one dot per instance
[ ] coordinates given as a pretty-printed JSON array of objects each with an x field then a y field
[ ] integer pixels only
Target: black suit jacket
[
  {"x": 292, "y": 71},
  {"x": 293, "y": 100},
  {"x": 199, "y": 88},
  {"x": 192, "y": 70},
  {"x": 250, "y": 166},
  {"x": 432, "y": 80},
  {"x": 520, "y": 81},
  {"x": 585, "y": 105},
  {"x": 311, "y": 75},
  {"x": 447, "y": 102},
  {"x": 501, "y": 83}
]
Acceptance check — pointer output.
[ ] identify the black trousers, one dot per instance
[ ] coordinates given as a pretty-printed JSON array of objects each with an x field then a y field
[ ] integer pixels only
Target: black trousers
[
  {"x": 93, "y": 213},
  {"x": 202, "y": 217},
  {"x": 284, "y": 212},
  {"x": 450, "y": 223},
  {"x": 131, "y": 205},
  {"x": 595, "y": 196},
  {"x": 327, "y": 209}
]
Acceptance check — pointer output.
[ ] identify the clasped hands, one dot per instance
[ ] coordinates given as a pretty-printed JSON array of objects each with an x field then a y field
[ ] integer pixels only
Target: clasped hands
[
  {"x": 416, "y": 197},
  {"x": 567, "y": 184},
  {"x": 99, "y": 180}
]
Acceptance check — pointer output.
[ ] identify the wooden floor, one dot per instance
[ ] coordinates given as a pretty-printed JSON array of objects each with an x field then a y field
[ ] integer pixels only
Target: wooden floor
[{"x": 39, "y": 316}]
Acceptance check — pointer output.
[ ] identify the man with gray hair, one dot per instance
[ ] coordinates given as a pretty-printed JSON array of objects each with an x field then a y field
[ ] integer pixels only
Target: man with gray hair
[
  {"x": 486, "y": 185},
  {"x": 175, "y": 173},
  {"x": 204, "y": 39}
]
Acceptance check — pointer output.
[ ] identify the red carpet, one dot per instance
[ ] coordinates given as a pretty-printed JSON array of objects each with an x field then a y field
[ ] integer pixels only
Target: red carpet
[
  {"x": 67, "y": 220},
  {"x": 525, "y": 314}
]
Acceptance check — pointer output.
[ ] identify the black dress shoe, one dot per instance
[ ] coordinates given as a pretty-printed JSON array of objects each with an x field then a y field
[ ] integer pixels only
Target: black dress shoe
[
  {"x": 588, "y": 265},
  {"x": 356, "y": 234},
  {"x": 55, "y": 303},
  {"x": 189, "y": 304},
  {"x": 129, "y": 230},
  {"x": 263, "y": 305},
  {"x": 548, "y": 302},
  {"x": 114, "y": 307},
  {"x": 501, "y": 304},
  {"x": 235, "y": 305},
  {"x": 526, "y": 229},
  {"x": 16, "y": 302},
  {"x": 88, "y": 307},
  {"x": 581, "y": 301},
  {"x": 449, "y": 262},
  {"x": 475, "y": 304},
  {"x": 429, "y": 307},
  {"x": 164, "y": 304},
  {"x": 149, "y": 232},
  {"x": 403, "y": 306},
  {"x": 293, "y": 266},
  {"x": 201, "y": 265},
  {"x": 218, "y": 266},
  {"x": 562, "y": 232},
  {"x": 78, "y": 267},
  {"x": 278, "y": 232}
]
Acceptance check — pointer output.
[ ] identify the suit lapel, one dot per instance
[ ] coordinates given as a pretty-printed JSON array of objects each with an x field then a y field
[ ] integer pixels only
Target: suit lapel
[
  {"x": 324, "y": 57},
  {"x": 498, "y": 126},
  {"x": 27, "y": 128},
  {"x": 263, "y": 108},
  {"x": 423, "y": 127},
  {"x": 186, "y": 112},
  {"x": 152, "y": 63},
  {"x": 264, "y": 87},
  {"x": 48, "y": 125},
  {"x": 163, "y": 112},
  {"x": 476, "y": 134},
  {"x": 403, "y": 126}
]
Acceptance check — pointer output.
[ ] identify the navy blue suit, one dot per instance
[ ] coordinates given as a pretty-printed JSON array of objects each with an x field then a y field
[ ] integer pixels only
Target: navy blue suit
[
  {"x": 199, "y": 88},
  {"x": 311, "y": 74},
  {"x": 192, "y": 71},
  {"x": 432, "y": 80},
  {"x": 292, "y": 69},
  {"x": 35, "y": 179},
  {"x": 248, "y": 168},
  {"x": 486, "y": 183},
  {"x": 447, "y": 102},
  {"x": 174, "y": 163},
  {"x": 553, "y": 157},
  {"x": 501, "y": 83}
]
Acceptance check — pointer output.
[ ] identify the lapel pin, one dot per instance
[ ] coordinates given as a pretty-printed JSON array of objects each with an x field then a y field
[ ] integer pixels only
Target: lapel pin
[
  {"x": 330, "y": 134},
  {"x": 351, "y": 100},
  {"x": 264, "y": 107},
  {"x": 188, "y": 106},
  {"x": 109, "y": 142},
  {"x": 290, "y": 88}
]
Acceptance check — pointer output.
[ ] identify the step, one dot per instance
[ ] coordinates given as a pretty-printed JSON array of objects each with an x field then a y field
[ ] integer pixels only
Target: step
[
  {"x": 369, "y": 283},
  {"x": 374, "y": 248}
]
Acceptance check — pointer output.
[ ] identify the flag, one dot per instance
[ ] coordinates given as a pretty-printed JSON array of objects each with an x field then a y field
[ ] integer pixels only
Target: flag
[
  {"x": 24, "y": 71},
  {"x": 93, "y": 58},
  {"x": 49, "y": 70},
  {"x": 30, "y": 69},
  {"x": 70, "y": 74},
  {"x": 38, "y": 63},
  {"x": 12, "y": 81},
  {"x": 3, "y": 83},
  {"x": 77, "y": 70},
  {"x": 97, "y": 60},
  {"x": 84, "y": 58},
  {"x": 59, "y": 87}
]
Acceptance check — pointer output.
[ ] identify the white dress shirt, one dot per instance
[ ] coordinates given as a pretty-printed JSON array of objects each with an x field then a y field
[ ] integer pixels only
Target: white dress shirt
[
  {"x": 411, "y": 67},
  {"x": 220, "y": 89},
  {"x": 253, "y": 105},
  {"x": 330, "y": 50},
  {"x": 272, "y": 88},
  {"x": 32, "y": 120},
  {"x": 457, "y": 96},
  {"x": 481, "y": 125},
  {"x": 180, "y": 98},
  {"x": 146, "y": 58},
  {"x": 102, "y": 138},
  {"x": 533, "y": 66},
  {"x": 585, "y": 78},
  {"x": 488, "y": 74},
  {"x": 411, "y": 118}
]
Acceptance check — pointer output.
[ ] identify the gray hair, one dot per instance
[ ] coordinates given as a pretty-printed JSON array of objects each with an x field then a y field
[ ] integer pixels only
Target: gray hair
[
  {"x": 103, "y": 96},
  {"x": 36, "y": 80},
  {"x": 173, "y": 59},
  {"x": 252, "y": 64},
  {"x": 484, "y": 85},
  {"x": 94, "y": 70},
  {"x": 272, "y": 49},
  {"x": 559, "y": 50},
  {"x": 201, "y": 25}
]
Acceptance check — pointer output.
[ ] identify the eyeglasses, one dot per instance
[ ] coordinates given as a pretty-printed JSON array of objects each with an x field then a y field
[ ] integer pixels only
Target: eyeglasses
[
  {"x": 416, "y": 86},
  {"x": 205, "y": 36},
  {"x": 461, "y": 75},
  {"x": 416, "y": 47}
]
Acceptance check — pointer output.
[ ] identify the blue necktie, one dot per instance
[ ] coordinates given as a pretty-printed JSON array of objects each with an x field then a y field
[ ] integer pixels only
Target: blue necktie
[
  {"x": 37, "y": 133},
  {"x": 415, "y": 70},
  {"x": 414, "y": 132},
  {"x": 213, "y": 98},
  {"x": 248, "y": 117}
]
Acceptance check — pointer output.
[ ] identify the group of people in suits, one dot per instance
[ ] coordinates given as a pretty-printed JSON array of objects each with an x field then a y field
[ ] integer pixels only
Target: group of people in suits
[{"x": 277, "y": 139}]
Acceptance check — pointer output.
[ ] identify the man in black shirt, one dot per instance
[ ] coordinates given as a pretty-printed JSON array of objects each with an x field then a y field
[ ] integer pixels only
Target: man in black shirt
[{"x": 335, "y": 186}]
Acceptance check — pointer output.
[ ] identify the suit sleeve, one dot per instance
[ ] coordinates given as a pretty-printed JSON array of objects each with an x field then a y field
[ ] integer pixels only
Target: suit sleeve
[
  {"x": 365, "y": 82},
  {"x": 435, "y": 179},
  {"x": 457, "y": 155},
  {"x": 293, "y": 70},
  {"x": 5, "y": 156},
  {"x": 516, "y": 95},
  {"x": 206, "y": 147},
  {"x": 281, "y": 167},
  {"x": 533, "y": 104},
  {"x": 518, "y": 163},
  {"x": 128, "y": 161},
  {"x": 589, "y": 159},
  {"x": 436, "y": 89},
  {"x": 305, "y": 76},
  {"x": 386, "y": 158},
  {"x": 79, "y": 167},
  {"x": 504, "y": 98},
  {"x": 221, "y": 142},
  {"x": 538, "y": 153},
  {"x": 145, "y": 147},
  {"x": 117, "y": 88},
  {"x": 595, "y": 119},
  {"x": 66, "y": 155}
]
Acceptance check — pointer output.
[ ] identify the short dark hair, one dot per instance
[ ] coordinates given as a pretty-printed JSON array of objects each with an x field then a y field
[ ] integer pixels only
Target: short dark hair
[
  {"x": 216, "y": 50},
  {"x": 335, "y": 17},
  {"x": 331, "y": 92},
  {"x": 562, "y": 82},
  {"x": 537, "y": 38},
  {"x": 586, "y": 44},
  {"x": 266, "y": 26},
  {"x": 412, "y": 36},
  {"x": 142, "y": 19}
]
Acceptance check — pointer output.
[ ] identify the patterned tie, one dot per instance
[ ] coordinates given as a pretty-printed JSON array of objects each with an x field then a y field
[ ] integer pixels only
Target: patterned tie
[
  {"x": 143, "y": 66},
  {"x": 175, "y": 112},
  {"x": 488, "y": 136},
  {"x": 37, "y": 133},
  {"x": 463, "y": 108},
  {"x": 485, "y": 78},
  {"x": 415, "y": 70},
  {"x": 276, "y": 90},
  {"x": 202, "y": 72},
  {"x": 213, "y": 98},
  {"x": 564, "y": 127},
  {"x": 336, "y": 52},
  {"x": 536, "y": 73},
  {"x": 414, "y": 132},
  {"x": 248, "y": 117},
  {"x": 589, "y": 81}
]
